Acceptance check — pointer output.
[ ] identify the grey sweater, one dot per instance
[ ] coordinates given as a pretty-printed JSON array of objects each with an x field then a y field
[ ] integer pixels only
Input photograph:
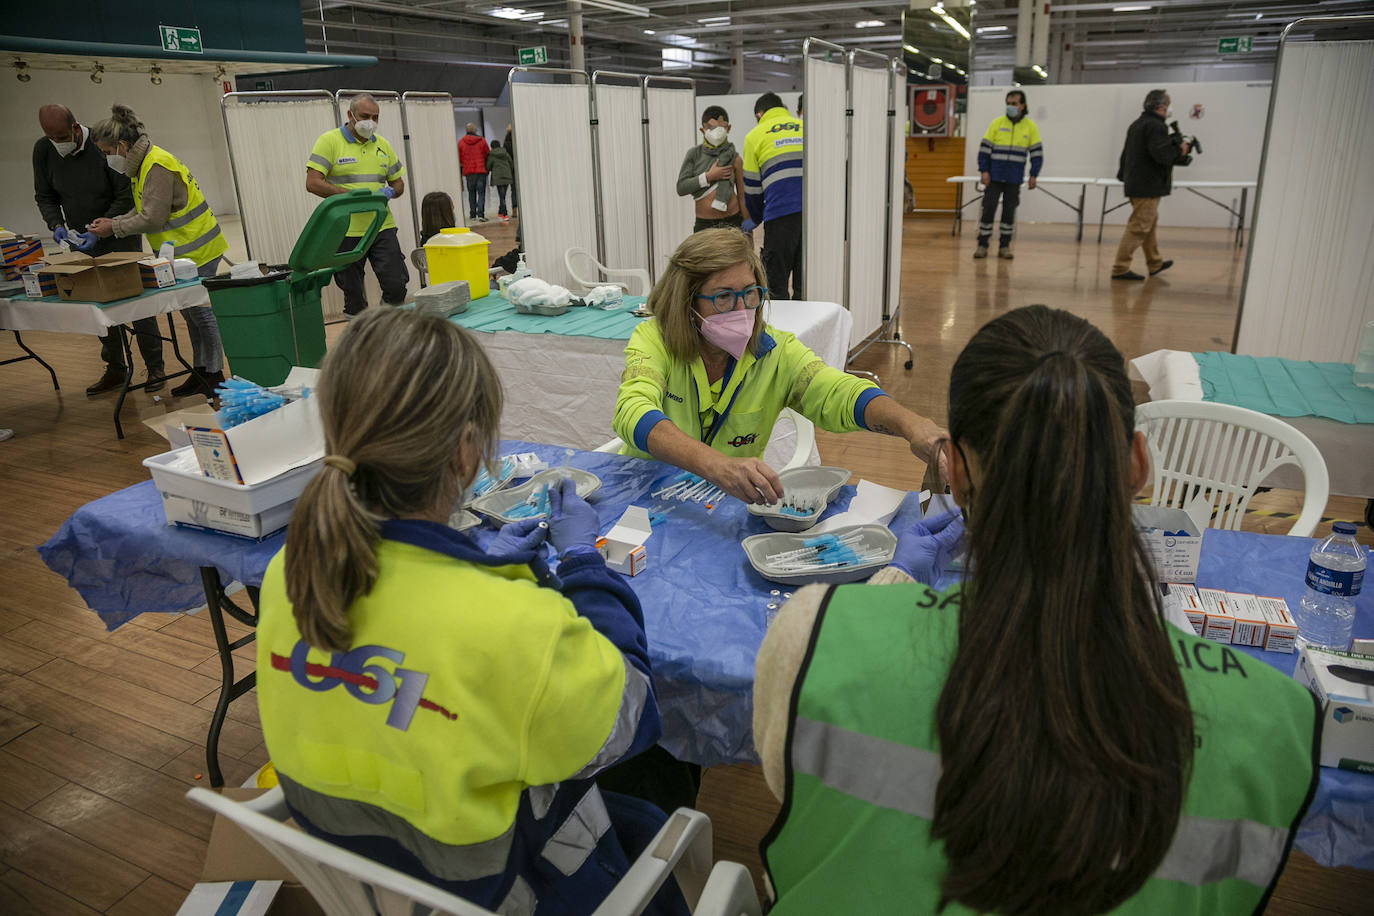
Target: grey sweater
[{"x": 691, "y": 178}]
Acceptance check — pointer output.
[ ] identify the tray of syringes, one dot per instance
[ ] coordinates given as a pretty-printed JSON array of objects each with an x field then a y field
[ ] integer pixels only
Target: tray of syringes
[
  {"x": 843, "y": 555},
  {"x": 806, "y": 492},
  {"x": 531, "y": 499}
]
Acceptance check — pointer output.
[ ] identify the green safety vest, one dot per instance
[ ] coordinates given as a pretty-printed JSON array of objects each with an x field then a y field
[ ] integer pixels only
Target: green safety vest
[
  {"x": 853, "y": 835},
  {"x": 192, "y": 229}
]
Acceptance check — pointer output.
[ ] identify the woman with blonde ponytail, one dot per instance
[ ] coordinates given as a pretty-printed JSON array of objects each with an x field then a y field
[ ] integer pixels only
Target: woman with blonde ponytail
[
  {"x": 433, "y": 704},
  {"x": 1039, "y": 740},
  {"x": 168, "y": 207}
]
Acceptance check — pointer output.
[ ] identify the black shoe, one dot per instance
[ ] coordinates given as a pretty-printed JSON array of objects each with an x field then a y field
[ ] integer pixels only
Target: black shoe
[
  {"x": 155, "y": 380},
  {"x": 112, "y": 379},
  {"x": 192, "y": 385},
  {"x": 1163, "y": 267},
  {"x": 1128, "y": 275}
]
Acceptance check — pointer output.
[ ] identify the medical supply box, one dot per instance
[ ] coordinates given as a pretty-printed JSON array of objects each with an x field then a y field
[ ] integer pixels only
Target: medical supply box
[
  {"x": 17, "y": 252},
  {"x": 623, "y": 546},
  {"x": 1173, "y": 538},
  {"x": 1344, "y": 685},
  {"x": 104, "y": 278},
  {"x": 156, "y": 273},
  {"x": 38, "y": 284},
  {"x": 245, "y": 480}
]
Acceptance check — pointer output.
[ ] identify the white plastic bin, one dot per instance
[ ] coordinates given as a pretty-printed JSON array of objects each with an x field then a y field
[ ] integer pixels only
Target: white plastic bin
[{"x": 191, "y": 500}]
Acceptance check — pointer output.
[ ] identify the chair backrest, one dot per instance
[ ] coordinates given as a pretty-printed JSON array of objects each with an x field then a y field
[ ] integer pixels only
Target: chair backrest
[
  {"x": 579, "y": 262},
  {"x": 421, "y": 263},
  {"x": 806, "y": 438},
  {"x": 342, "y": 882},
  {"x": 1223, "y": 453}
]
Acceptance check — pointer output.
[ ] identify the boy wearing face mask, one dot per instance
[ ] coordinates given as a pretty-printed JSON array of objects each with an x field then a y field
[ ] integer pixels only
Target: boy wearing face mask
[
  {"x": 73, "y": 186},
  {"x": 1010, "y": 140},
  {"x": 355, "y": 156},
  {"x": 713, "y": 173}
]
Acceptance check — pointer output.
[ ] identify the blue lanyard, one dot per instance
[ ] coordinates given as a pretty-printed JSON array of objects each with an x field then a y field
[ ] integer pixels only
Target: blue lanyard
[{"x": 709, "y": 435}]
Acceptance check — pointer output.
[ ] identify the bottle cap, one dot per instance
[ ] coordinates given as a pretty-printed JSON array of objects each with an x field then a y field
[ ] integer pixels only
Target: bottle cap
[{"x": 1343, "y": 527}]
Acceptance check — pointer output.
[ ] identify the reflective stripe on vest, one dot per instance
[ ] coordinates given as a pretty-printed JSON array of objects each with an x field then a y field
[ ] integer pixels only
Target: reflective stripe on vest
[
  {"x": 192, "y": 230},
  {"x": 1204, "y": 849}
]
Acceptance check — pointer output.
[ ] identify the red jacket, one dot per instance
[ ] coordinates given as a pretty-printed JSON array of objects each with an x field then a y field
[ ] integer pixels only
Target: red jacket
[{"x": 472, "y": 154}]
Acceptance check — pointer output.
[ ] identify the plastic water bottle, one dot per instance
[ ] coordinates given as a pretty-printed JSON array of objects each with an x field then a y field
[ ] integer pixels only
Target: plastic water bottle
[{"x": 1335, "y": 572}]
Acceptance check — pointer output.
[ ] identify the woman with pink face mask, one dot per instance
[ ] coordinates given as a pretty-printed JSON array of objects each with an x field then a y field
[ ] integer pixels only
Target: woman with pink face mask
[{"x": 706, "y": 378}]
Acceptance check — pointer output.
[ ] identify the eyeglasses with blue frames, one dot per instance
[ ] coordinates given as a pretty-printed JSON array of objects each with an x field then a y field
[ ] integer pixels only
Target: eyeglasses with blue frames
[{"x": 751, "y": 296}]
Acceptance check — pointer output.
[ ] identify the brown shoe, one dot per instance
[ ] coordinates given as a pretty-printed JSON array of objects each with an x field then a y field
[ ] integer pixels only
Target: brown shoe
[
  {"x": 112, "y": 379},
  {"x": 155, "y": 381}
]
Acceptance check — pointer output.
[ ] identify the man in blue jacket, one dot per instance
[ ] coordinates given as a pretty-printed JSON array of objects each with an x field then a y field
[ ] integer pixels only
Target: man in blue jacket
[{"x": 1010, "y": 140}]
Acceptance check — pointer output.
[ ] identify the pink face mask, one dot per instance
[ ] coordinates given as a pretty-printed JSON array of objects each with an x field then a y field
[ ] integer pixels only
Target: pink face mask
[{"x": 730, "y": 331}]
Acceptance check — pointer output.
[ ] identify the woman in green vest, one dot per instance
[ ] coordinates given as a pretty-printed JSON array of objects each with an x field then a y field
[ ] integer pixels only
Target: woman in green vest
[
  {"x": 706, "y": 378},
  {"x": 168, "y": 207},
  {"x": 1039, "y": 740}
]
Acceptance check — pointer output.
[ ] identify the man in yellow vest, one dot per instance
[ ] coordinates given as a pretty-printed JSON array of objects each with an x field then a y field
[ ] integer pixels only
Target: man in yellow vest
[{"x": 355, "y": 156}]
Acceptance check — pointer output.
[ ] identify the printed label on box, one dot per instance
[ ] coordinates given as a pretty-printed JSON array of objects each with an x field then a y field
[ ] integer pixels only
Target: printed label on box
[
  {"x": 213, "y": 453},
  {"x": 1251, "y": 627},
  {"x": 1187, "y": 598},
  {"x": 1282, "y": 628},
  {"x": 1220, "y": 625}
]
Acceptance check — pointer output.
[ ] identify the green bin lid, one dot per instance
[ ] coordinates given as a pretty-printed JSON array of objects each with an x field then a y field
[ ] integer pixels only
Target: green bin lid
[{"x": 317, "y": 248}]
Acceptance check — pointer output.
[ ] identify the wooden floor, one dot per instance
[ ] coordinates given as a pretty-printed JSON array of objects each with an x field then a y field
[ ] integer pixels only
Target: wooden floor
[{"x": 101, "y": 733}]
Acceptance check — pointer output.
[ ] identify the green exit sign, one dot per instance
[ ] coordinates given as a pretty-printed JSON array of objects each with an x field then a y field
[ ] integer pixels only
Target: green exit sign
[
  {"x": 534, "y": 57},
  {"x": 1234, "y": 45},
  {"x": 178, "y": 38}
]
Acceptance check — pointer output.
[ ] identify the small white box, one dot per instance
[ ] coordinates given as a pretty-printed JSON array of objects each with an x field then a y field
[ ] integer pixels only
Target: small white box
[
  {"x": 156, "y": 273},
  {"x": 1189, "y": 603},
  {"x": 202, "y": 516},
  {"x": 1344, "y": 683},
  {"x": 189, "y": 499},
  {"x": 1252, "y": 629},
  {"x": 1173, "y": 538},
  {"x": 623, "y": 545},
  {"x": 1282, "y": 628},
  {"x": 1220, "y": 625}
]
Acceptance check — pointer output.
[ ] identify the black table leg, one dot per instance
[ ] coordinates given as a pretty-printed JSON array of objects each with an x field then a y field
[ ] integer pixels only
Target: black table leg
[
  {"x": 217, "y": 605},
  {"x": 128, "y": 376},
  {"x": 124, "y": 335},
  {"x": 29, "y": 354}
]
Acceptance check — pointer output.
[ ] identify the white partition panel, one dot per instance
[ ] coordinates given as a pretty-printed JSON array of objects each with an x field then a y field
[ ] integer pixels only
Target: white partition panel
[
  {"x": 670, "y": 104},
  {"x": 270, "y": 138},
  {"x": 1309, "y": 283},
  {"x": 823, "y": 176},
  {"x": 432, "y": 151},
  {"x": 557, "y": 202},
  {"x": 868, "y": 188},
  {"x": 620, "y": 160},
  {"x": 897, "y": 136}
]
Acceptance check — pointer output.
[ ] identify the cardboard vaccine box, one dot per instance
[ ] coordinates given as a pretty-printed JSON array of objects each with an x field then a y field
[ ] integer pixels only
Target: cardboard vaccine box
[
  {"x": 1220, "y": 624},
  {"x": 16, "y": 253},
  {"x": 100, "y": 279},
  {"x": 38, "y": 284},
  {"x": 1186, "y": 597},
  {"x": 1282, "y": 629},
  {"x": 156, "y": 273},
  {"x": 1344, "y": 684},
  {"x": 1173, "y": 538},
  {"x": 623, "y": 545},
  {"x": 1252, "y": 628}
]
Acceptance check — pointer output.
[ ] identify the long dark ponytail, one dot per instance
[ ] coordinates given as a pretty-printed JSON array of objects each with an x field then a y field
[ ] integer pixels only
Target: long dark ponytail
[{"x": 1065, "y": 731}]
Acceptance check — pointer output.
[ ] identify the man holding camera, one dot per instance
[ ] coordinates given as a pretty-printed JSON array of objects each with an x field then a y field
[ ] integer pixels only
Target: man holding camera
[{"x": 1147, "y": 165}]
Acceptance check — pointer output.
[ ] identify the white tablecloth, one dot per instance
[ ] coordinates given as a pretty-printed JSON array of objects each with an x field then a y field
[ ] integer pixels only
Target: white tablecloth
[
  {"x": 562, "y": 390},
  {"x": 23, "y": 314},
  {"x": 1346, "y": 447}
]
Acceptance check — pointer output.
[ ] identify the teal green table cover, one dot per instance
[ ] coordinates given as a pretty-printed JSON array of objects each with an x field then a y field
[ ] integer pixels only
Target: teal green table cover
[
  {"x": 492, "y": 313},
  {"x": 1285, "y": 387}
]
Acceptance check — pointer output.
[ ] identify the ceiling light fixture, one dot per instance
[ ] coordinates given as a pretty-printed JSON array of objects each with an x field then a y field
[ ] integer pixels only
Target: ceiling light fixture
[
  {"x": 97, "y": 73},
  {"x": 220, "y": 73},
  {"x": 514, "y": 13},
  {"x": 950, "y": 21},
  {"x": 155, "y": 75},
  {"x": 650, "y": 32},
  {"x": 715, "y": 20},
  {"x": 870, "y": 24},
  {"x": 616, "y": 6},
  {"x": 21, "y": 71},
  {"x": 1131, "y": 9},
  {"x": 992, "y": 28}
]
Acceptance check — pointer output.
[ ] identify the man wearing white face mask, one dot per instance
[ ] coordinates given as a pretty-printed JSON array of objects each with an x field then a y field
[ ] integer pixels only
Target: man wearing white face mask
[
  {"x": 355, "y": 156},
  {"x": 713, "y": 173},
  {"x": 73, "y": 186}
]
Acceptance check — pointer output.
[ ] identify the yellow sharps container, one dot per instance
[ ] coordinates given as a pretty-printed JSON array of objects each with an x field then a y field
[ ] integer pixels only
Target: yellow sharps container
[{"x": 459, "y": 254}]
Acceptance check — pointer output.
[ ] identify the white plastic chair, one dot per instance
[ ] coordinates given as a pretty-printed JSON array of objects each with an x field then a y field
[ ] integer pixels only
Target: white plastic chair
[
  {"x": 347, "y": 884},
  {"x": 1223, "y": 453},
  {"x": 420, "y": 262},
  {"x": 574, "y": 255},
  {"x": 806, "y": 439}
]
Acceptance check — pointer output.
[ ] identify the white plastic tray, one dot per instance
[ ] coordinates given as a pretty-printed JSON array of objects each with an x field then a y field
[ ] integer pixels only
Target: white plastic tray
[
  {"x": 813, "y": 482},
  {"x": 499, "y": 503},
  {"x": 760, "y": 546},
  {"x": 251, "y": 500}
]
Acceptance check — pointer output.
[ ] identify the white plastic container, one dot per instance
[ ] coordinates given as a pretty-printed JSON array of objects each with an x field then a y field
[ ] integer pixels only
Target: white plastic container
[
  {"x": 1364, "y": 359},
  {"x": 194, "y": 501}
]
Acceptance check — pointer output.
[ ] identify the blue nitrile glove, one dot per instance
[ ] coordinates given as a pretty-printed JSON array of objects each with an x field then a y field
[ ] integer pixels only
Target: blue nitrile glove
[
  {"x": 387, "y": 191},
  {"x": 925, "y": 549},
  {"x": 748, "y": 225},
  {"x": 88, "y": 240},
  {"x": 572, "y": 522},
  {"x": 60, "y": 234},
  {"x": 518, "y": 537}
]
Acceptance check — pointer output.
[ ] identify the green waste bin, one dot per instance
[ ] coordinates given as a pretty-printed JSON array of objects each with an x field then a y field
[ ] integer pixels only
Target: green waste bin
[{"x": 273, "y": 322}]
